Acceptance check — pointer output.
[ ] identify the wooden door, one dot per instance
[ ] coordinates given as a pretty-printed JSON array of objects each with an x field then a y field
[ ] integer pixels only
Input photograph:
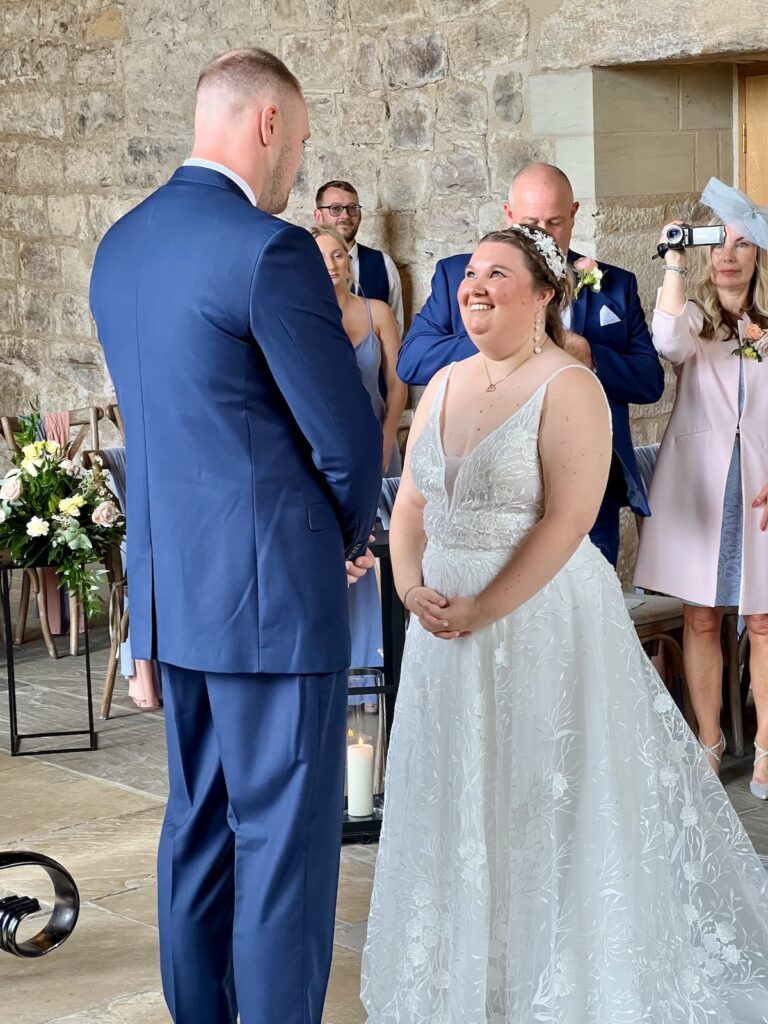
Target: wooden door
[{"x": 753, "y": 162}]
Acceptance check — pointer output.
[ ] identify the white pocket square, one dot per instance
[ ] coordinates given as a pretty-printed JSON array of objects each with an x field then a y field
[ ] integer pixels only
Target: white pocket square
[{"x": 607, "y": 316}]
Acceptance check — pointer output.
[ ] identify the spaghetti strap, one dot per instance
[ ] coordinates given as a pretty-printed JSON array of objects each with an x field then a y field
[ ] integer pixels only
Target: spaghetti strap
[
  {"x": 370, "y": 318},
  {"x": 571, "y": 366},
  {"x": 437, "y": 405},
  {"x": 579, "y": 366}
]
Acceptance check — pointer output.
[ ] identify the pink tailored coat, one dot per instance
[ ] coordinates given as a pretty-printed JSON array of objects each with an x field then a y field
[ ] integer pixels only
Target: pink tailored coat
[{"x": 680, "y": 542}]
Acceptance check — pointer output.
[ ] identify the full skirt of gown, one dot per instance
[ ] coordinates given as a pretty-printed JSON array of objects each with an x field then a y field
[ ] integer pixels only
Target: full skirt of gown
[{"x": 555, "y": 846}]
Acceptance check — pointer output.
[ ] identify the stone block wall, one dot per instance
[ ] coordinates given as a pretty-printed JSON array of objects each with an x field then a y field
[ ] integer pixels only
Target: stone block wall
[{"x": 429, "y": 106}]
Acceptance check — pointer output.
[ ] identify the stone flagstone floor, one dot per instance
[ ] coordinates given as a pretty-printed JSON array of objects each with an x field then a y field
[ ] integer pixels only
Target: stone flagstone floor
[{"x": 99, "y": 813}]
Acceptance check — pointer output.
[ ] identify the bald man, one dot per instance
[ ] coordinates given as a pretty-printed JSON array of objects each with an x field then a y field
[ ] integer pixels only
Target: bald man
[
  {"x": 252, "y": 471},
  {"x": 606, "y": 331}
]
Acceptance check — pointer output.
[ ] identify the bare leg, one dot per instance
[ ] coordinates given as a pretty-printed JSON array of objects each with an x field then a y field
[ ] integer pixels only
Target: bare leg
[
  {"x": 757, "y": 627},
  {"x": 703, "y": 660}
]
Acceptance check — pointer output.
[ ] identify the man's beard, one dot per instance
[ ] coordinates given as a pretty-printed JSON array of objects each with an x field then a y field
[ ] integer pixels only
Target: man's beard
[
  {"x": 347, "y": 231},
  {"x": 274, "y": 197}
]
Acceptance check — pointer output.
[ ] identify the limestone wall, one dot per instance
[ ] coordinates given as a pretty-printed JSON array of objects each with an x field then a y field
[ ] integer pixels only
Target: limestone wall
[{"x": 428, "y": 105}]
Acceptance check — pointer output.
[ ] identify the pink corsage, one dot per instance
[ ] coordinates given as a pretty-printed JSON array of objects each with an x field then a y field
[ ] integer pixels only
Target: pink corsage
[{"x": 754, "y": 345}]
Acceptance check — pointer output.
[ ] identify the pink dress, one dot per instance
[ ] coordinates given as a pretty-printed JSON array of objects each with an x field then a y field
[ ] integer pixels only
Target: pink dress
[{"x": 680, "y": 542}]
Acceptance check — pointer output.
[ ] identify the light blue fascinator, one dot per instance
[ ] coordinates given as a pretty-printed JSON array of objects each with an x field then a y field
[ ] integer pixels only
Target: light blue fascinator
[{"x": 737, "y": 210}]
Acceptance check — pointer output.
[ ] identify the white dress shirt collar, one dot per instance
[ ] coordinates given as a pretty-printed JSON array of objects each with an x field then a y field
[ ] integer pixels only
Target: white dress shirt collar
[{"x": 213, "y": 166}]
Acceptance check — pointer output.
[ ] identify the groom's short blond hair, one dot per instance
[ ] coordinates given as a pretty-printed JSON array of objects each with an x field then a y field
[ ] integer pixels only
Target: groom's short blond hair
[{"x": 247, "y": 74}]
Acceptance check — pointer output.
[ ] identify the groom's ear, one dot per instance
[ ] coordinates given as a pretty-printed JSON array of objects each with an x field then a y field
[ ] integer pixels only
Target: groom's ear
[{"x": 267, "y": 124}]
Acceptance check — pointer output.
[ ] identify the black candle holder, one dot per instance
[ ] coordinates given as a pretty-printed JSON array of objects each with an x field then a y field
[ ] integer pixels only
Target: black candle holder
[{"x": 393, "y": 614}]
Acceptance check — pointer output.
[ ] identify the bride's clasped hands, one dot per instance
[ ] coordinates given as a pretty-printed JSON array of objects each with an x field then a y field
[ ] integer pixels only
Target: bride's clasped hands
[{"x": 444, "y": 619}]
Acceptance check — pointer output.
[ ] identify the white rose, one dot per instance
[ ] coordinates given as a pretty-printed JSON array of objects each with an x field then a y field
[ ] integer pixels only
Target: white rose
[
  {"x": 37, "y": 527},
  {"x": 105, "y": 514},
  {"x": 11, "y": 489}
]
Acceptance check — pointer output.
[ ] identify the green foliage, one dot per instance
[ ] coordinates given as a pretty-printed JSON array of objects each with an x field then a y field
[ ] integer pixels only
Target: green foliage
[{"x": 53, "y": 513}]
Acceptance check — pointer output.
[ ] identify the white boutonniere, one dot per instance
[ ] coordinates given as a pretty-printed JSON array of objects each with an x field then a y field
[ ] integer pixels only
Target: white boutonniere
[{"x": 590, "y": 275}]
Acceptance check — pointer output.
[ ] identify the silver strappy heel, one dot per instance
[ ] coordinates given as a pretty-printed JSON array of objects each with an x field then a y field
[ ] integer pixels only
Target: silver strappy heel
[
  {"x": 718, "y": 749},
  {"x": 759, "y": 789}
]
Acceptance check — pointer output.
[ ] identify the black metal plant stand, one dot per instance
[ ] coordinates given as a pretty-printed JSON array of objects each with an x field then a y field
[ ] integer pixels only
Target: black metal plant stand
[
  {"x": 16, "y": 736},
  {"x": 364, "y": 830}
]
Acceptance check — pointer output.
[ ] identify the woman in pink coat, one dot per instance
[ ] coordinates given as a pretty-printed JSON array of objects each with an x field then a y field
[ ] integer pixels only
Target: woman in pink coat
[{"x": 706, "y": 540}]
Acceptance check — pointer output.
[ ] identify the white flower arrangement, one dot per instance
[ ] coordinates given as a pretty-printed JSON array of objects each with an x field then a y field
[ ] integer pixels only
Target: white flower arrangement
[{"x": 53, "y": 513}]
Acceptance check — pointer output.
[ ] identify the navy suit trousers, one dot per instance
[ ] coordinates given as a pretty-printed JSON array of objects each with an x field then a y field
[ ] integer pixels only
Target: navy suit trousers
[
  {"x": 249, "y": 851},
  {"x": 605, "y": 533}
]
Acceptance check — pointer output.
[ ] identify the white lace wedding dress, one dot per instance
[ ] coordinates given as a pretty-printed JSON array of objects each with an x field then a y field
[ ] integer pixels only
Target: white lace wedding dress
[{"x": 555, "y": 847}]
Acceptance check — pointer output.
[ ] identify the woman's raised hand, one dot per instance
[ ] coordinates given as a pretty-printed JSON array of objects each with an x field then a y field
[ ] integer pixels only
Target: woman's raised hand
[{"x": 677, "y": 257}]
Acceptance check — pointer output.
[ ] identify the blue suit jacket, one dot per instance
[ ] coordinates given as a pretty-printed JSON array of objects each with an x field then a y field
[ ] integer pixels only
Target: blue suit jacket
[
  {"x": 623, "y": 353},
  {"x": 253, "y": 454}
]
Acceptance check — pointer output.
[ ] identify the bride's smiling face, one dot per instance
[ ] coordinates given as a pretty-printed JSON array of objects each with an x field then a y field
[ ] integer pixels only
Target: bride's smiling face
[{"x": 499, "y": 301}]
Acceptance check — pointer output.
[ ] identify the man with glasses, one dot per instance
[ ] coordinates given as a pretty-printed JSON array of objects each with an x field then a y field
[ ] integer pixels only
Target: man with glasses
[{"x": 337, "y": 206}]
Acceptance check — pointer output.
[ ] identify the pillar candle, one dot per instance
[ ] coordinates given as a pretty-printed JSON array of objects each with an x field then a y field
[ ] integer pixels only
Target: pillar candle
[{"x": 360, "y": 779}]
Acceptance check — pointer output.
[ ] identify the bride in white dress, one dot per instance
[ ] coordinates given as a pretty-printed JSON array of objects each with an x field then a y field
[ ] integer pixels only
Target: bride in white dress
[{"x": 555, "y": 846}]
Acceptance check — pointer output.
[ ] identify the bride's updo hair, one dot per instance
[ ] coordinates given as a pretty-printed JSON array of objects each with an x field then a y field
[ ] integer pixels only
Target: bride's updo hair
[{"x": 543, "y": 275}]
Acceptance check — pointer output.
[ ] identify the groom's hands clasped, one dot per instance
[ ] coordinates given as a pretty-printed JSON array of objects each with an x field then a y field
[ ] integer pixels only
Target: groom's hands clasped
[{"x": 444, "y": 619}]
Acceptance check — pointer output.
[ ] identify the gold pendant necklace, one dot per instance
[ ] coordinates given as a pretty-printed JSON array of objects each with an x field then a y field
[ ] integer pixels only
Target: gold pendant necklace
[{"x": 492, "y": 385}]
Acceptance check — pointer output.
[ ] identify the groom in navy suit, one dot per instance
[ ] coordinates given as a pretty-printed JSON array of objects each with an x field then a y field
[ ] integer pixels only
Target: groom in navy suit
[
  {"x": 252, "y": 473},
  {"x": 606, "y": 331}
]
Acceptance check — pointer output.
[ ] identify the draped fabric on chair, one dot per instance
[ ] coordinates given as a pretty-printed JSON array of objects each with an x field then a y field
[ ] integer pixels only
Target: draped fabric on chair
[
  {"x": 389, "y": 486},
  {"x": 646, "y": 456},
  {"x": 143, "y": 681}
]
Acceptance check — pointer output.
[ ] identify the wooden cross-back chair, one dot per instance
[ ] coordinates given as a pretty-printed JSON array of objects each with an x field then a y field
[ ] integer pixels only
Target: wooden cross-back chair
[
  {"x": 113, "y": 414},
  {"x": 85, "y": 422}
]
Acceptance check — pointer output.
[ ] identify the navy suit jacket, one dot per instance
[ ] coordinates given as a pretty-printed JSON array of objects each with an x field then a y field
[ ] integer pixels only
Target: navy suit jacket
[
  {"x": 251, "y": 443},
  {"x": 625, "y": 359}
]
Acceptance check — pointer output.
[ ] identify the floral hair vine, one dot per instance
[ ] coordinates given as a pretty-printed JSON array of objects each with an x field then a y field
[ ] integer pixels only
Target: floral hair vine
[{"x": 547, "y": 248}]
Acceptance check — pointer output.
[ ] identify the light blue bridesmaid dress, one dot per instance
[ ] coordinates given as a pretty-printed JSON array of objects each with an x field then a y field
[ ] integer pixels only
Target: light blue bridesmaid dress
[{"x": 364, "y": 602}]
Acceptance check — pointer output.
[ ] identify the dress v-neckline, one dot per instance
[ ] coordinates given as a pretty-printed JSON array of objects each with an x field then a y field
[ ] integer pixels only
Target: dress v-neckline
[
  {"x": 440, "y": 408},
  {"x": 466, "y": 457},
  {"x": 437, "y": 413}
]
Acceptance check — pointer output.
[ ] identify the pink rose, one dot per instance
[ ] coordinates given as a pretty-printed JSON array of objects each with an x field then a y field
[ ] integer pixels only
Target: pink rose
[
  {"x": 584, "y": 263},
  {"x": 105, "y": 514},
  {"x": 753, "y": 332},
  {"x": 11, "y": 489}
]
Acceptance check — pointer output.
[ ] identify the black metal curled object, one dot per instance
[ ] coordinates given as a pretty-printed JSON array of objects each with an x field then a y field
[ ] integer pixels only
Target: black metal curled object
[{"x": 13, "y": 909}]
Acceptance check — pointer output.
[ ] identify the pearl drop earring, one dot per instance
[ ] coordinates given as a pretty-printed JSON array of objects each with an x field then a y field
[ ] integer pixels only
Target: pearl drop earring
[{"x": 537, "y": 332}]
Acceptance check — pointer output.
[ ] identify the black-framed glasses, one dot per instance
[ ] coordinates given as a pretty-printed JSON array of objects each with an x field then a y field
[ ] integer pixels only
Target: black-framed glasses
[{"x": 336, "y": 209}]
